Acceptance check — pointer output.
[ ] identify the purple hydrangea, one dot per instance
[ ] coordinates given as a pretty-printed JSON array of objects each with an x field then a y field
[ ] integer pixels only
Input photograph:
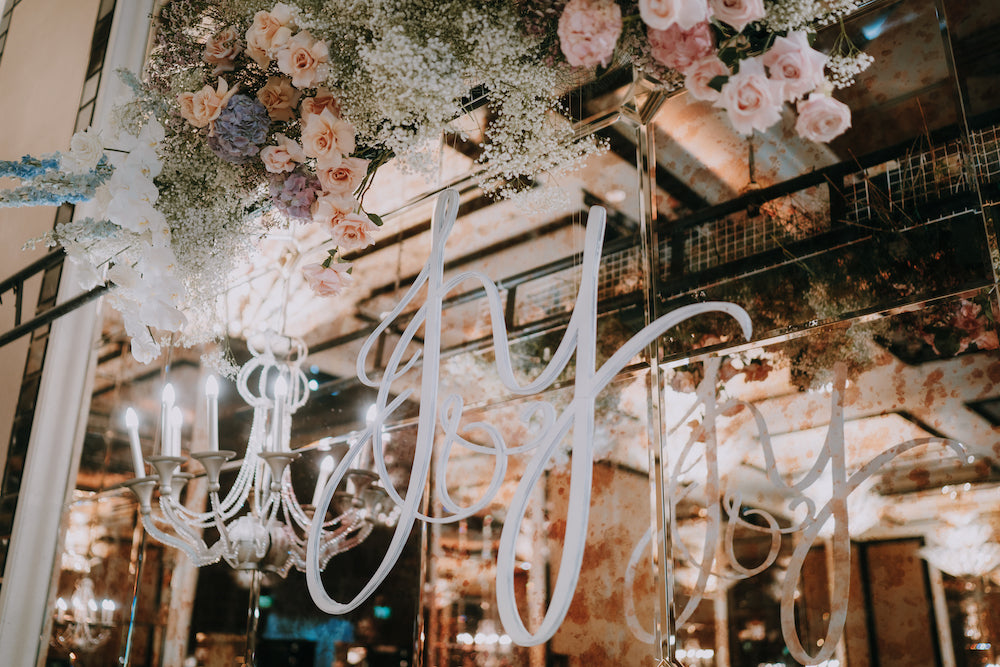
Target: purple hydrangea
[
  {"x": 294, "y": 194},
  {"x": 240, "y": 129}
]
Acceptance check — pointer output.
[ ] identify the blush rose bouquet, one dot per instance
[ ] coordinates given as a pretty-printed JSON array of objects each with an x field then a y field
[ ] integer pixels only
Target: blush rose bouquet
[{"x": 748, "y": 57}]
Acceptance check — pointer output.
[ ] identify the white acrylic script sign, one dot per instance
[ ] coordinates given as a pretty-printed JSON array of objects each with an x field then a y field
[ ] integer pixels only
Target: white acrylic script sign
[
  {"x": 577, "y": 421},
  {"x": 577, "y": 417}
]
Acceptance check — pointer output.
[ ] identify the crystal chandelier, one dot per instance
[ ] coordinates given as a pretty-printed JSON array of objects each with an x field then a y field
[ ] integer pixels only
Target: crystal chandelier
[
  {"x": 83, "y": 623},
  {"x": 261, "y": 524},
  {"x": 963, "y": 550}
]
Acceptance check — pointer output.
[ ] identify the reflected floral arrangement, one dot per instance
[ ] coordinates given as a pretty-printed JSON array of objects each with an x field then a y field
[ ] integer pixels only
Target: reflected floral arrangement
[{"x": 748, "y": 57}]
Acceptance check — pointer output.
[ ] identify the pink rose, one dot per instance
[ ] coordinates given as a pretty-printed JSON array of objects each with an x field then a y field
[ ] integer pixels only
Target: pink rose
[
  {"x": 203, "y": 107},
  {"x": 282, "y": 157},
  {"x": 353, "y": 232},
  {"x": 221, "y": 50},
  {"x": 323, "y": 99},
  {"x": 678, "y": 49},
  {"x": 267, "y": 32},
  {"x": 327, "y": 138},
  {"x": 822, "y": 118},
  {"x": 279, "y": 98},
  {"x": 330, "y": 209},
  {"x": 661, "y": 14},
  {"x": 345, "y": 178},
  {"x": 327, "y": 281},
  {"x": 795, "y": 65},
  {"x": 737, "y": 13},
  {"x": 752, "y": 101},
  {"x": 588, "y": 31},
  {"x": 304, "y": 59},
  {"x": 697, "y": 76}
]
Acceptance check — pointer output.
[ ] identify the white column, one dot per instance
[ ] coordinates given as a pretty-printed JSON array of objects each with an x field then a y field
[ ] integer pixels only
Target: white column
[
  {"x": 56, "y": 442},
  {"x": 941, "y": 617}
]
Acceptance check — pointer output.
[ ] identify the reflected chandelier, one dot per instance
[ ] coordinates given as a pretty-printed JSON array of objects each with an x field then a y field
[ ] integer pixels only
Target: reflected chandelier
[
  {"x": 260, "y": 522},
  {"x": 84, "y": 623}
]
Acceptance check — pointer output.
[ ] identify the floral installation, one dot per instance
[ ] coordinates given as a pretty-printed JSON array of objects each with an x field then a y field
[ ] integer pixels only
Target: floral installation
[
  {"x": 748, "y": 57},
  {"x": 254, "y": 115}
]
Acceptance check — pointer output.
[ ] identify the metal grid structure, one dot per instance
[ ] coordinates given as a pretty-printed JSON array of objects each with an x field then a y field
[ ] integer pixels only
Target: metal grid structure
[
  {"x": 739, "y": 235},
  {"x": 621, "y": 273},
  {"x": 901, "y": 184},
  {"x": 916, "y": 177},
  {"x": 986, "y": 152}
]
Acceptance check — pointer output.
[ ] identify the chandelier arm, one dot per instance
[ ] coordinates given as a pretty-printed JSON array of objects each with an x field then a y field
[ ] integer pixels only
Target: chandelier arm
[
  {"x": 198, "y": 557},
  {"x": 184, "y": 529}
]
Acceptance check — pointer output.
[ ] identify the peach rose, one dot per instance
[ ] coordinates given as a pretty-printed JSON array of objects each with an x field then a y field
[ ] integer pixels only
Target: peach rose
[
  {"x": 822, "y": 118},
  {"x": 327, "y": 281},
  {"x": 588, "y": 31},
  {"x": 269, "y": 31},
  {"x": 796, "y": 66},
  {"x": 329, "y": 209},
  {"x": 327, "y": 138},
  {"x": 279, "y": 98},
  {"x": 304, "y": 59},
  {"x": 697, "y": 76},
  {"x": 345, "y": 178},
  {"x": 323, "y": 99},
  {"x": 353, "y": 232},
  {"x": 282, "y": 157},
  {"x": 661, "y": 14},
  {"x": 752, "y": 101},
  {"x": 737, "y": 13},
  {"x": 203, "y": 107},
  {"x": 221, "y": 50},
  {"x": 678, "y": 49}
]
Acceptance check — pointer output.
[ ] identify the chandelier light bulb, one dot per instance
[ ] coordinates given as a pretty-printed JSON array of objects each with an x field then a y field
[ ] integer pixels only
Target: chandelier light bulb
[
  {"x": 168, "y": 394},
  {"x": 211, "y": 387},
  {"x": 280, "y": 387},
  {"x": 132, "y": 425},
  {"x": 325, "y": 470}
]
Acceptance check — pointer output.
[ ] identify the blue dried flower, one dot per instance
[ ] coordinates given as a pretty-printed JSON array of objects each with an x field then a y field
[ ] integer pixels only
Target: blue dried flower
[
  {"x": 240, "y": 129},
  {"x": 294, "y": 194}
]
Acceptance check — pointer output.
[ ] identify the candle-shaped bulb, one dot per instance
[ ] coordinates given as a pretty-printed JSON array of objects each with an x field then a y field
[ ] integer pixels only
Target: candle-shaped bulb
[
  {"x": 61, "y": 608},
  {"x": 176, "y": 418},
  {"x": 107, "y": 611},
  {"x": 280, "y": 387},
  {"x": 132, "y": 424},
  {"x": 212, "y": 399},
  {"x": 168, "y": 394},
  {"x": 176, "y": 425},
  {"x": 325, "y": 470}
]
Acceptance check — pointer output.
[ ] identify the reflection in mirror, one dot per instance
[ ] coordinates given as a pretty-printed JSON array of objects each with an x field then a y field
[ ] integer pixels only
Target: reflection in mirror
[{"x": 864, "y": 267}]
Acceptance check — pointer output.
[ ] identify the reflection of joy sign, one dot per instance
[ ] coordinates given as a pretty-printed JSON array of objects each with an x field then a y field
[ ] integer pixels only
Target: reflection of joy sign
[
  {"x": 577, "y": 417},
  {"x": 720, "y": 531}
]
